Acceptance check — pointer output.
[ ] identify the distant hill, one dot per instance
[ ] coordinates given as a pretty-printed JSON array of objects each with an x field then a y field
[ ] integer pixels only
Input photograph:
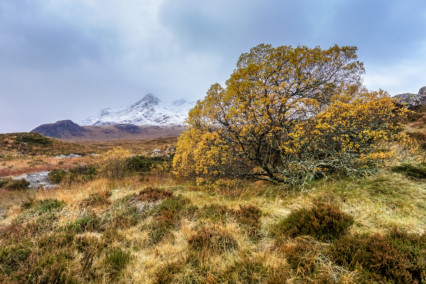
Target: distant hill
[
  {"x": 61, "y": 129},
  {"x": 68, "y": 130}
]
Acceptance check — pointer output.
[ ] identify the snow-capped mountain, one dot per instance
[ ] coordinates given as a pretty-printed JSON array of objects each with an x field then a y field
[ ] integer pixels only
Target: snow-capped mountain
[{"x": 150, "y": 110}]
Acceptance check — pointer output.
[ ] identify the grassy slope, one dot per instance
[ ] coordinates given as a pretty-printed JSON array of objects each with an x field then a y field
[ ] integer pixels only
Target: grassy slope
[
  {"x": 377, "y": 204},
  {"x": 102, "y": 231}
]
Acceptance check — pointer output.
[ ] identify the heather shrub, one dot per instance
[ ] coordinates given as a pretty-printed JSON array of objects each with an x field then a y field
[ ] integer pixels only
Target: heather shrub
[
  {"x": 395, "y": 258},
  {"x": 212, "y": 239},
  {"x": 142, "y": 164},
  {"x": 249, "y": 217},
  {"x": 87, "y": 223},
  {"x": 323, "y": 222},
  {"x": 16, "y": 184},
  {"x": 55, "y": 176},
  {"x": 150, "y": 194}
]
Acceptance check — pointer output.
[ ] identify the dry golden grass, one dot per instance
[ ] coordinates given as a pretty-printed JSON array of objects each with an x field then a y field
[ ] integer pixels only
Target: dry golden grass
[{"x": 377, "y": 203}]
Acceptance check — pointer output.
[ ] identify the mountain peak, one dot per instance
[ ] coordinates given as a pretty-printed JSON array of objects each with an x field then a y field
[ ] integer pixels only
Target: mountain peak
[{"x": 150, "y": 110}]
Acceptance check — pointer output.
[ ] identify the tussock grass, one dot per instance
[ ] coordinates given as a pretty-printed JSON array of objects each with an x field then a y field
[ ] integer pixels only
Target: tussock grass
[{"x": 156, "y": 229}]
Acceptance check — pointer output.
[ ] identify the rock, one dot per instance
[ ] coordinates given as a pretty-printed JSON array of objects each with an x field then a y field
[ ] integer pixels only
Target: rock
[{"x": 413, "y": 101}]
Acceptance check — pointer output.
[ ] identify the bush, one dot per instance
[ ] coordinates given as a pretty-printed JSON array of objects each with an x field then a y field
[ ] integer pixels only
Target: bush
[
  {"x": 142, "y": 164},
  {"x": 113, "y": 163},
  {"x": 55, "y": 176},
  {"x": 397, "y": 257},
  {"x": 323, "y": 222},
  {"x": 17, "y": 184},
  {"x": 13, "y": 256},
  {"x": 212, "y": 239},
  {"x": 82, "y": 173},
  {"x": 415, "y": 171},
  {"x": 289, "y": 115}
]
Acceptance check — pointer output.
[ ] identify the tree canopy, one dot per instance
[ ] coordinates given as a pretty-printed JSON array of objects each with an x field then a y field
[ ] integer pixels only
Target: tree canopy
[{"x": 288, "y": 115}]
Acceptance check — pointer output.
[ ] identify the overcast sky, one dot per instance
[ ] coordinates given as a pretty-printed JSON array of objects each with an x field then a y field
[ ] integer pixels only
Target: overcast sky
[{"x": 68, "y": 59}]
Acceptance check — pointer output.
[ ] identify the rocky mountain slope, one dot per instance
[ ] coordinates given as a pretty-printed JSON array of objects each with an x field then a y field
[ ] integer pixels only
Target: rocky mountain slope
[
  {"x": 413, "y": 101},
  {"x": 149, "y": 111}
]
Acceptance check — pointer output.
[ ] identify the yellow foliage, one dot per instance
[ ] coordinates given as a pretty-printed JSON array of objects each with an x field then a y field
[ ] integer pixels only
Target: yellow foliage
[
  {"x": 113, "y": 163},
  {"x": 289, "y": 115}
]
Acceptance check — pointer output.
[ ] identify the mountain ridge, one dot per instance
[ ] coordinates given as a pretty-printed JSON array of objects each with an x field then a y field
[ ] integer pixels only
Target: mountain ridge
[{"x": 148, "y": 111}]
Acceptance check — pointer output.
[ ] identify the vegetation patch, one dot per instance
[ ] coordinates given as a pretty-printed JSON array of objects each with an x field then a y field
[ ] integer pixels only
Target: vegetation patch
[
  {"x": 142, "y": 164},
  {"x": 151, "y": 194},
  {"x": 96, "y": 199},
  {"x": 13, "y": 184},
  {"x": 323, "y": 222},
  {"x": 88, "y": 223},
  {"x": 56, "y": 176},
  {"x": 166, "y": 217},
  {"x": 415, "y": 171},
  {"x": 211, "y": 240},
  {"x": 116, "y": 259},
  {"x": 249, "y": 217},
  {"x": 396, "y": 258}
]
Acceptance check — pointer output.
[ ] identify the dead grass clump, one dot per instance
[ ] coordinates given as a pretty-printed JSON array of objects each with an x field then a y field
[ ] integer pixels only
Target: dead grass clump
[
  {"x": 151, "y": 194},
  {"x": 211, "y": 240},
  {"x": 323, "y": 222},
  {"x": 397, "y": 257}
]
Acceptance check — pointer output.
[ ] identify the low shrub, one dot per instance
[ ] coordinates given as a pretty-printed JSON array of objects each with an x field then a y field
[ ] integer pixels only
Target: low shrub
[
  {"x": 116, "y": 259},
  {"x": 301, "y": 255},
  {"x": 3, "y": 182},
  {"x": 13, "y": 256},
  {"x": 166, "y": 216},
  {"x": 323, "y": 222},
  {"x": 150, "y": 194},
  {"x": 415, "y": 171},
  {"x": 55, "y": 176},
  {"x": 82, "y": 173},
  {"x": 18, "y": 184},
  {"x": 215, "y": 212},
  {"x": 249, "y": 217},
  {"x": 47, "y": 206},
  {"x": 126, "y": 217},
  {"x": 88, "y": 223},
  {"x": 396, "y": 258},
  {"x": 142, "y": 164},
  {"x": 247, "y": 270},
  {"x": 212, "y": 239}
]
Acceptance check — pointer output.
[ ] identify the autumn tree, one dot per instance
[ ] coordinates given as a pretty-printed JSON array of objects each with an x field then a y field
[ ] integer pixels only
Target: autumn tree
[{"x": 288, "y": 115}]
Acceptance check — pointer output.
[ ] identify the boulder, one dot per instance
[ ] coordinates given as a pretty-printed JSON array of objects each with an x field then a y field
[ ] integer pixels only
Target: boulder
[{"x": 422, "y": 91}]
